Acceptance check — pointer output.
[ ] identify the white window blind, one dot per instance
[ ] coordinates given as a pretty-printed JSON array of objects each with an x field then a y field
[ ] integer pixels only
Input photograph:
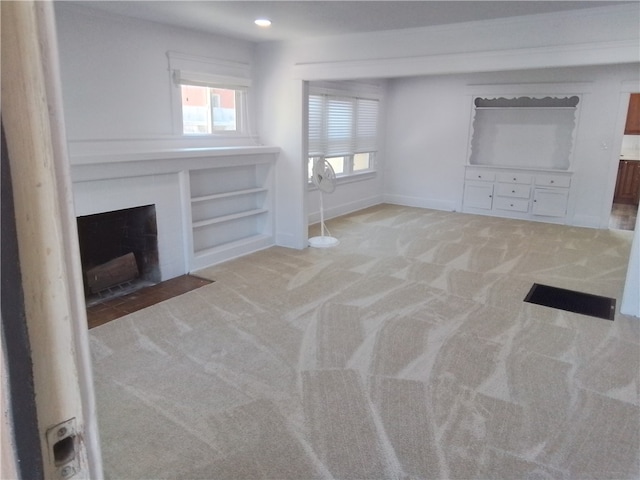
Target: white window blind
[
  {"x": 205, "y": 72},
  {"x": 366, "y": 125},
  {"x": 342, "y": 125},
  {"x": 316, "y": 125},
  {"x": 339, "y": 126},
  {"x": 182, "y": 77}
]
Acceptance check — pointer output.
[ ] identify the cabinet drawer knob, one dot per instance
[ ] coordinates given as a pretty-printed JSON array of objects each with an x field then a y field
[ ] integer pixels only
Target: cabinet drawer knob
[
  {"x": 514, "y": 179},
  {"x": 551, "y": 181},
  {"x": 513, "y": 191}
]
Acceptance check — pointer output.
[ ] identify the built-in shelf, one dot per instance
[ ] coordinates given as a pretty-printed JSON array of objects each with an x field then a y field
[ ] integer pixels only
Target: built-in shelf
[
  {"x": 231, "y": 211},
  {"x": 535, "y": 132},
  {"x": 232, "y": 249},
  {"x": 228, "y": 218},
  {"x": 225, "y": 247},
  {"x": 217, "y": 196}
]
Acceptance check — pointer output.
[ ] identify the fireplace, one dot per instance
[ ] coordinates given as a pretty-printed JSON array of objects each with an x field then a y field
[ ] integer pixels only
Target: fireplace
[{"x": 119, "y": 251}]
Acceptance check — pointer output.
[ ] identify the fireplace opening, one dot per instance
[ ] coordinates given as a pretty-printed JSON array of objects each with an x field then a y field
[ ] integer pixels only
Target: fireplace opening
[{"x": 119, "y": 252}]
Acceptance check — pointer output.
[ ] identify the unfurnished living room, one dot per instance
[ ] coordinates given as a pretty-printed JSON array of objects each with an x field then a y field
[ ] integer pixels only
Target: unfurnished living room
[{"x": 322, "y": 240}]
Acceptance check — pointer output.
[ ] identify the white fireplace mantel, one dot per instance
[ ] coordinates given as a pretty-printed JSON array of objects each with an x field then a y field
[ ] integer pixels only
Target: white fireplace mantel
[
  {"x": 101, "y": 160},
  {"x": 212, "y": 204}
]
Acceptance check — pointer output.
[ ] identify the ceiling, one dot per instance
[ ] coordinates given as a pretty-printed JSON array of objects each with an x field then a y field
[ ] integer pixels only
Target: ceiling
[{"x": 308, "y": 18}]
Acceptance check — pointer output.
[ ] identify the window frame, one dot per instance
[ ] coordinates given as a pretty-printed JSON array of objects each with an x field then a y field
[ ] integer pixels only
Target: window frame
[{"x": 194, "y": 70}]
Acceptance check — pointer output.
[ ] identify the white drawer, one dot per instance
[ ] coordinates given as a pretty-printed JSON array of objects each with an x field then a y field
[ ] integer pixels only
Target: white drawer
[
  {"x": 513, "y": 190},
  {"x": 482, "y": 175},
  {"x": 514, "y": 177},
  {"x": 553, "y": 180},
  {"x": 513, "y": 204}
]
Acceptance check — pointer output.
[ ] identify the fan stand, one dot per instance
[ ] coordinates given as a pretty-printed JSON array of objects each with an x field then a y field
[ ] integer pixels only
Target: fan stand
[{"x": 323, "y": 241}]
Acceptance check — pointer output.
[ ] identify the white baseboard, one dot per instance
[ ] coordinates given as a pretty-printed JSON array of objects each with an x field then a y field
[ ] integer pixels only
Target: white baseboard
[{"x": 421, "y": 202}]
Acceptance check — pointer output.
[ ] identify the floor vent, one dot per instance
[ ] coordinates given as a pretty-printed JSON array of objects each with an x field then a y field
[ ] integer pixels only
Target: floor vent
[{"x": 572, "y": 301}]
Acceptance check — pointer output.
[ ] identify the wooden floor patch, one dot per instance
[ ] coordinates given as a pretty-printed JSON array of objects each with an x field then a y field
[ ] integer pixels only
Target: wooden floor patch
[{"x": 102, "y": 312}]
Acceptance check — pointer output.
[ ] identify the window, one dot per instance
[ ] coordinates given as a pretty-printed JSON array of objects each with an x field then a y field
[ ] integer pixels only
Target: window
[
  {"x": 362, "y": 161},
  {"x": 206, "y": 110},
  {"x": 346, "y": 164},
  {"x": 209, "y": 95},
  {"x": 343, "y": 130}
]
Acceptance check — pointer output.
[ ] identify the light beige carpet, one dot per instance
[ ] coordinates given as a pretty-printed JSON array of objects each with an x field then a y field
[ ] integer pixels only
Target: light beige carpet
[{"x": 406, "y": 352}]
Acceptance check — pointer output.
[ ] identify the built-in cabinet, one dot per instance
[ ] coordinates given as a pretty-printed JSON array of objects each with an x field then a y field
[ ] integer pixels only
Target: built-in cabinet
[
  {"x": 520, "y": 152},
  {"x": 628, "y": 182},
  {"x": 527, "y": 194}
]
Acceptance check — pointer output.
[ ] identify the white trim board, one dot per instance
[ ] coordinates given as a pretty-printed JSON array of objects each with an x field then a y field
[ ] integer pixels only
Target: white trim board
[{"x": 586, "y": 54}]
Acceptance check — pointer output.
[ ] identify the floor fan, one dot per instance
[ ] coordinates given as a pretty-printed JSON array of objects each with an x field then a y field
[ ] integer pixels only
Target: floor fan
[{"x": 324, "y": 178}]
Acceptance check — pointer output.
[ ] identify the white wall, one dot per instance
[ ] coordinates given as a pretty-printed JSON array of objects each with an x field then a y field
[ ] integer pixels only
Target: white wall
[
  {"x": 428, "y": 130},
  {"x": 282, "y": 118},
  {"x": 348, "y": 197},
  {"x": 630, "y": 304},
  {"x": 115, "y": 78}
]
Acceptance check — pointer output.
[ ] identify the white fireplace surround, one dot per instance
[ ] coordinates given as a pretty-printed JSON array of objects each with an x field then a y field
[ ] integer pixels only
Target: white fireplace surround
[{"x": 113, "y": 175}]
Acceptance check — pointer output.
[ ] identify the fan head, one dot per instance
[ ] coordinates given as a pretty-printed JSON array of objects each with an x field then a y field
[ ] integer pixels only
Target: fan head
[{"x": 323, "y": 176}]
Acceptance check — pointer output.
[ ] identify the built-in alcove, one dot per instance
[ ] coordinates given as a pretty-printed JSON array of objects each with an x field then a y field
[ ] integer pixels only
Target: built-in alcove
[
  {"x": 119, "y": 250},
  {"x": 524, "y": 132},
  {"x": 520, "y": 158}
]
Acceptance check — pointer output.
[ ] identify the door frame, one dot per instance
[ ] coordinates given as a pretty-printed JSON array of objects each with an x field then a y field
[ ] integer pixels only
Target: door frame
[
  {"x": 49, "y": 255},
  {"x": 626, "y": 89}
]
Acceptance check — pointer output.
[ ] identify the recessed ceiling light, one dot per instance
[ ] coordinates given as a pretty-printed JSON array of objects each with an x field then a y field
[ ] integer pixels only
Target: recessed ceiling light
[{"x": 263, "y": 22}]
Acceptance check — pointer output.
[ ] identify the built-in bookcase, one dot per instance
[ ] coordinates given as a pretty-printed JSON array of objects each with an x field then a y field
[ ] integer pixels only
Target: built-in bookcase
[{"x": 231, "y": 211}]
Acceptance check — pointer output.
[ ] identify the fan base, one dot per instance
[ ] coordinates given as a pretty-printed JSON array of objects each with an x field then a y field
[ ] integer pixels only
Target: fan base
[{"x": 323, "y": 242}]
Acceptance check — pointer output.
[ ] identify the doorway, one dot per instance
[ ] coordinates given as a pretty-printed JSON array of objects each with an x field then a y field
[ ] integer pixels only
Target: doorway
[{"x": 624, "y": 209}]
